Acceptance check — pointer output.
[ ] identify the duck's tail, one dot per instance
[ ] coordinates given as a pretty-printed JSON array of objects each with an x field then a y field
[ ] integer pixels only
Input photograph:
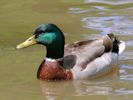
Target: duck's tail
[
  {"x": 118, "y": 45},
  {"x": 121, "y": 46}
]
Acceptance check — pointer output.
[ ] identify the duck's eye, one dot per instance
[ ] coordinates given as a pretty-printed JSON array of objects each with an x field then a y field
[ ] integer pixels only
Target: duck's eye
[
  {"x": 41, "y": 32},
  {"x": 38, "y": 33}
]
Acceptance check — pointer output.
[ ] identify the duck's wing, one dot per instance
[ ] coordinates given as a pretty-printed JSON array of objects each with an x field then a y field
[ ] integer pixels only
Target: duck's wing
[
  {"x": 96, "y": 68},
  {"x": 81, "y": 53}
]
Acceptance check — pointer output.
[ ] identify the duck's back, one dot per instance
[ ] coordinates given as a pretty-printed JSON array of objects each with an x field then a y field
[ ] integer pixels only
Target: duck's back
[{"x": 83, "y": 52}]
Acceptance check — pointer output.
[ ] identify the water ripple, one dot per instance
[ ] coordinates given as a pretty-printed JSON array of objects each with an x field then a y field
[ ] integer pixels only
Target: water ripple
[
  {"x": 127, "y": 56},
  {"x": 78, "y": 10},
  {"x": 117, "y": 24},
  {"x": 126, "y": 66},
  {"x": 128, "y": 77},
  {"x": 114, "y": 2},
  {"x": 124, "y": 91},
  {"x": 129, "y": 43}
]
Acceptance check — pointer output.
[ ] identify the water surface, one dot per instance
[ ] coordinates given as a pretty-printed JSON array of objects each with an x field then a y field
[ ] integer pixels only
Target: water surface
[{"x": 79, "y": 20}]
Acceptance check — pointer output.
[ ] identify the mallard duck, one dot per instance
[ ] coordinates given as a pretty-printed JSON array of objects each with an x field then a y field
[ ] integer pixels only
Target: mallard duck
[{"x": 78, "y": 60}]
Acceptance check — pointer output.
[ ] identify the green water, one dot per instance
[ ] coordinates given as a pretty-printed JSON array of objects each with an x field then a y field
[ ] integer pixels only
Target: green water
[{"x": 79, "y": 20}]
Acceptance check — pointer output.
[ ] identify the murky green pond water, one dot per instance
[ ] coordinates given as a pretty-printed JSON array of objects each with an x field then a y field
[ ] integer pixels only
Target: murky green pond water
[{"x": 79, "y": 19}]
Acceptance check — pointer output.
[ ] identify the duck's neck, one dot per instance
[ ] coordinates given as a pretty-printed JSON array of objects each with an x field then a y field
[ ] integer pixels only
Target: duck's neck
[{"x": 55, "y": 52}]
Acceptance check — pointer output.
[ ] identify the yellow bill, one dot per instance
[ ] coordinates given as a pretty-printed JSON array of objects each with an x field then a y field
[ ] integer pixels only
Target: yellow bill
[{"x": 30, "y": 41}]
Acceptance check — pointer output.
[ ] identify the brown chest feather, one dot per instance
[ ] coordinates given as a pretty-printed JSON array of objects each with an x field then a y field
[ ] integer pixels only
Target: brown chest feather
[{"x": 53, "y": 71}]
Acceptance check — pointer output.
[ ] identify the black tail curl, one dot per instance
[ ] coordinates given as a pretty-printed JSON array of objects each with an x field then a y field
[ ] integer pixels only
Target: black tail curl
[{"x": 115, "y": 41}]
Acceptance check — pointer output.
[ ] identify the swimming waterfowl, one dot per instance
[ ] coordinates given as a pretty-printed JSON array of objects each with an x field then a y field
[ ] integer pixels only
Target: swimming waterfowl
[{"x": 78, "y": 60}]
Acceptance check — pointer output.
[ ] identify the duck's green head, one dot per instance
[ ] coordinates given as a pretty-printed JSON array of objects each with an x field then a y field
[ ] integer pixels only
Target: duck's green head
[{"x": 50, "y": 36}]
